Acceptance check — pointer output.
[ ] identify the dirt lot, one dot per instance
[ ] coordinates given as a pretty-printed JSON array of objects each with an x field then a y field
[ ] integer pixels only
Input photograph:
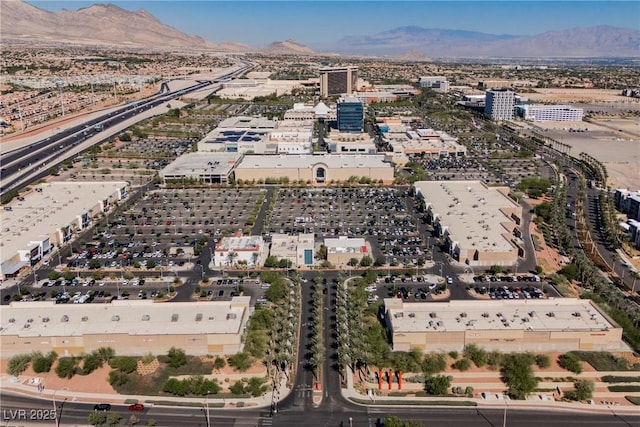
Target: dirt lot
[{"x": 560, "y": 95}]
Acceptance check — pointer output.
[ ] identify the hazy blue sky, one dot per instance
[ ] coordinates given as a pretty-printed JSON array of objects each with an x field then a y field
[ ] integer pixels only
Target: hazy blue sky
[{"x": 258, "y": 23}]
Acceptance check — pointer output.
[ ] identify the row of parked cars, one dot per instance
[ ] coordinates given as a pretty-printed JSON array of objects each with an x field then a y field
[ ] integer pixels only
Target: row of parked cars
[{"x": 509, "y": 279}]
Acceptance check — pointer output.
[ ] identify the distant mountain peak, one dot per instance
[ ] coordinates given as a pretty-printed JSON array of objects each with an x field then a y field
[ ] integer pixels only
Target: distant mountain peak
[
  {"x": 98, "y": 24},
  {"x": 289, "y": 46},
  {"x": 603, "y": 40}
]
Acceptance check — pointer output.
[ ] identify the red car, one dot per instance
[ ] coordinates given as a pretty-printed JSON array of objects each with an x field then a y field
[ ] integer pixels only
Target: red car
[{"x": 136, "y": 407}]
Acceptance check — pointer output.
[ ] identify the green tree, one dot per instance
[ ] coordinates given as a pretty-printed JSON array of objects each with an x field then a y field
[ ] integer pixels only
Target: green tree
[
  {"x": 97, "y": 418},
  {"x": 66, "y": 367},
  {"x": 125, "y": 364},
  {"x": 366, "y": 261},
  {"x": 118, "y": 378},
  {"x": 518, "y": 375},
  {"x": 477, "y": 355},
  {"x": 237, "y": 387},
  {"x": 219, "y": 363},
  {"x": 584, "y": 389},
  {"x": 18, "y": 364},
  {"x": 462, "y": 364},
  {"x": 353, "y": 262},
  {"x": 176, "y": 357},
  {"x": 90, "y": 362},
  {"x": 240, "y": 361},
  {"x": 41, "y": 363},
  {"x": 437, "y": 385},
  {"x": 434, "y": 363}
]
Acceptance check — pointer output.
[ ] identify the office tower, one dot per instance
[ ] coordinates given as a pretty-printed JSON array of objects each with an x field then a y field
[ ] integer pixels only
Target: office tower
[
  {"x": 499, "y": 104},
  {"x": 350, "y": 112},
  {"x": 337, "y": 80}
]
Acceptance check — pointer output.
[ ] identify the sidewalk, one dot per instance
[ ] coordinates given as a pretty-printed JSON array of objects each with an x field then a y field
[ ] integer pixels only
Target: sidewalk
[
  {"x": 542, "y": 405},
  {"x": 8, "y": 384}
]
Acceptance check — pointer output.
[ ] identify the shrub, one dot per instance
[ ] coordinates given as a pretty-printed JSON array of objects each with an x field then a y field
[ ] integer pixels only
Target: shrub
[
  {"x": 240, "y": 361},
  {"x": 148, "y": 358},
  {"x": 237, "y": 388},
  {"x": 468, "y": 391},
  {"x": 542, "y": 361},
  {"x": 90, "y": 363},
  {"x": 18, "y": 363},
  {"x": 618, "y": 379},
  {"x": 626, "y": 388},
  {"x": 434, "y": 363},
  {"x": 219, "y": 363},
  {"x": 495, "y": 359},
  {"x": 125, "y": 364},
  {"x": 462, "y": 364},
  {"x": 477, "y": 355},
  {"x": 117, "y": 378},
  {"x": 453, "y": 354},
  {"x": 41, "y": 363},
  {"x": 570, "y": 362},
  {"x": 176, "y": 357},
  {"x": 97, "y": 418},
  {"x": 584, "y": 389},
  {"x": 437, "y": 385},
  {"x": 66, "y": 367}
]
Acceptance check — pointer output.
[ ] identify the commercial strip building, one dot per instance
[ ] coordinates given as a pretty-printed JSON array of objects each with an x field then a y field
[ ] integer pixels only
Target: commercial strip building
[
  {"x": 33, "y": 224},
  {"x": 208, "y": 167},
  {"x": 239, "y": 250},
  {"x": 315, "y": 169},
  {"x": 129, "y": 327},
  {"x": 342, "y": 249},
  {"x": 404, "y": 139},
  {"x": 550, "y": 113},
  {"x": 299, "y": 248},
  {"x": 338, "y": 80},
  {"x": 437, "y": 83},
  {"x": 239, "y": 135},
  {"x": 350, "y": 143},
  {"x": 556, "y": 324},
  {"x": 499, "y": 104},
  {"x": 478, "y": 223},
  {"x": 250, "y": 89}
]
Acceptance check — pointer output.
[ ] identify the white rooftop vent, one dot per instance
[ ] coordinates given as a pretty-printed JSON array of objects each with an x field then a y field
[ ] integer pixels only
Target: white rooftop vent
[
  {"x": 146, "y": 317},
  {"x": 231, "y": 316},
  {"x": 85, "y": 318},
  {"x": 174, "y": 317},
  {"x": 115, "y": 318},
  {"x": 64, "y": 318}
]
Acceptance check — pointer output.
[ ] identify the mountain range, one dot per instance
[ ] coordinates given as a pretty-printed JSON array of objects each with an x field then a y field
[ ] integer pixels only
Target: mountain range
[{"x": 106, "y": 24}]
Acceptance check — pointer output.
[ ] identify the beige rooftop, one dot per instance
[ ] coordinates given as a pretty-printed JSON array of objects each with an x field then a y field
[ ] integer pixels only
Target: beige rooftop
[
  {"x": 554, "y": 314},
  {"x": 135, "y": 317}
]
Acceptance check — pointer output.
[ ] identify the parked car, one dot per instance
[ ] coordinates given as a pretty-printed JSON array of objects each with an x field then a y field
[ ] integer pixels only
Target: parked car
[
  {"x": 136, "y": 407},
  {"x": 102, "y": 407}
]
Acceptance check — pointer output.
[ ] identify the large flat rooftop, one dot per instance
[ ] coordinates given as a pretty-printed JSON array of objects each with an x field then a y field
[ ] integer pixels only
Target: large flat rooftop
[
  {"x": 140, "y": 317},
  {"x": 299, "y": 161},
  {"x": 476, "y": 216},
  {"x": 202, "y": 163},
  {"x": 561, "y": 314},
  {"x": 48, "y": 208}
]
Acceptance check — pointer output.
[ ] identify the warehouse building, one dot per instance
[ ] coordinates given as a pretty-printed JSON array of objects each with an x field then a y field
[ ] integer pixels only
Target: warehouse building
[
  {"x": 478, "y": 223},
  {"x": 129, "y": 327},
  {"x": 561, "y": 324},
  {"x": 315, "y": 169},
  {"x": 551, "y": 113},
  {"x": 33, "y": 224}
]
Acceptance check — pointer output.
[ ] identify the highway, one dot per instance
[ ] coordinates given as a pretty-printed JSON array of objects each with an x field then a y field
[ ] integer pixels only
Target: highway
[{"x": 33, "y": 161}]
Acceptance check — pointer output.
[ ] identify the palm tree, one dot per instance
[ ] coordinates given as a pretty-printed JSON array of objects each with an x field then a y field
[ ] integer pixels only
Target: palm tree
[{"x": 232, "y": 255}]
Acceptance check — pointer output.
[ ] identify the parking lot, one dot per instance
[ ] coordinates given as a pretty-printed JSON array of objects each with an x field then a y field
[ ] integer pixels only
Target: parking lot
[{"x": 378, "y": 214}]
